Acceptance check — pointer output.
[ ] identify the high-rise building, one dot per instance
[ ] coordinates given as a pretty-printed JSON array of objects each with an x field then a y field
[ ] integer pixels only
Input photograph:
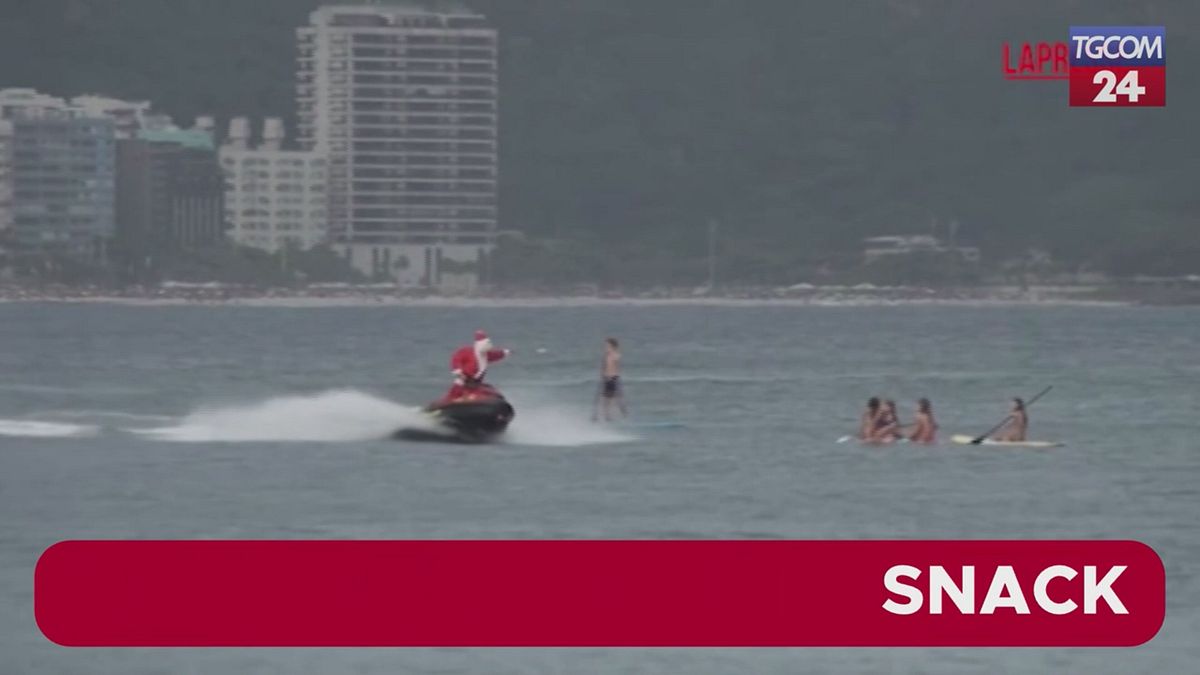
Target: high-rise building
[
  {"x": 6, "y": 137},
  {"x": 170, "y": 196},
  {"x": 61, "y": 176},
  {"x": 129, "y": 117},
  {"x": 22, "y": 102},
  {"x": 102, "y": 178},
  {"x": 403, "y": 102},
  {"x": 5, "y": 196},
  {"x": 274, "y": 197}
]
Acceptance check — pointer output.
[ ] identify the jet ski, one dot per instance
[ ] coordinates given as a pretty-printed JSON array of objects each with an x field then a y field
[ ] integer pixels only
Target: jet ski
[{"x": 478, "y": 417}]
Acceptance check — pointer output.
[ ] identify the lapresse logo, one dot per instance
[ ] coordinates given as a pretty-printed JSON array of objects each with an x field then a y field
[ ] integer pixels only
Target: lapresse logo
[{"x": 1118, "y": 65}]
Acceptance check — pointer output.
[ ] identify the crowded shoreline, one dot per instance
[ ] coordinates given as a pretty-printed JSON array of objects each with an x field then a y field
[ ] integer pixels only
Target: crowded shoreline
[{"x": 333, "y": 295}]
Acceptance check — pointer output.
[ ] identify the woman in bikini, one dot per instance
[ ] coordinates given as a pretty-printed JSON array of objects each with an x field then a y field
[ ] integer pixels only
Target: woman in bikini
[
  {"x": 866, "y": 423},
  {"x": 887, "y": 424}
]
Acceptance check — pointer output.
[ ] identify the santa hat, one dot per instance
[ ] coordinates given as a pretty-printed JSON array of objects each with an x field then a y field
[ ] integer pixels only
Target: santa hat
[{"x": 480, "y": 335}]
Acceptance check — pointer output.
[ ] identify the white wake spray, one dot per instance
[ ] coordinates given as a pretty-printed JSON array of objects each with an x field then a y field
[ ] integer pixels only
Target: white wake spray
[
  {"x": 347, "y": 415},
  {"x": 557, "y": 425},
  {"x": 339, "y": 415},
  {"x": 37, "y": 429}
]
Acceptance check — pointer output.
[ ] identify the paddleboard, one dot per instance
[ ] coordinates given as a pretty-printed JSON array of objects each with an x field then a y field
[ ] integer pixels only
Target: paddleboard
[
  {"x": 856, "y": 439},
  {"x": 651, "y": 425},
  {"x": 963, "y": 439}
]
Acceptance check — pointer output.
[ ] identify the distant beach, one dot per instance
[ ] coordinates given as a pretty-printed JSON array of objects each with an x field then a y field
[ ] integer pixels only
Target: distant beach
[{"x": 386, "y": 295}]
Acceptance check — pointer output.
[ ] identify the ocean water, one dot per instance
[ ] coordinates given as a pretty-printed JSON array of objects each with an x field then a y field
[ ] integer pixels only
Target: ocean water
[{"x": 174, "y": 422}]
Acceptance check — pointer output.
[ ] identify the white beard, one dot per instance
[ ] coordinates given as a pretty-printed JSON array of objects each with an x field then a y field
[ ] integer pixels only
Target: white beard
[{"x": 481, "y": 349}]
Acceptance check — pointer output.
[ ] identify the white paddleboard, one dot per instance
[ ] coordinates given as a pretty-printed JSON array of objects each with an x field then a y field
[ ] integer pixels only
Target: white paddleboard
[
  {"x": 651, "y": 425},
  {"x": 963, "y": 439}
]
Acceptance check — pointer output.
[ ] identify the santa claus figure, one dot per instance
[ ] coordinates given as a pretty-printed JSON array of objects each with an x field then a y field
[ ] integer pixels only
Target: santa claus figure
[{"x": 469, "y": 364}]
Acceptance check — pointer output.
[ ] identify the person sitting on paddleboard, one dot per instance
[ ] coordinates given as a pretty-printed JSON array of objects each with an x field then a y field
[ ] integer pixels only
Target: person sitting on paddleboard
[
  {"x": 925, "y": 430},
  {"x": 1018, "y": 424},
  {"x": 469, "y": 364},
  {"x": 887, "y": 424},
  {"x": 866, "y": 423}
]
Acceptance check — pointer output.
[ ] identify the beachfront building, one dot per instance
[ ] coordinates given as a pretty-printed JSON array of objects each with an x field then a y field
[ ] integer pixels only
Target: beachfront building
[
  {"x": 128, "y": 117},
  {"x": 892, "y": 247},
  {"x": 61, "y": 177},
  {"x": 22, "y": 102},
  {"x": 6, "y": 137},
  {"x": 403, "y": 102},
  {"x": 170, "y": 196},
  {"x": 275, "y": 197}
]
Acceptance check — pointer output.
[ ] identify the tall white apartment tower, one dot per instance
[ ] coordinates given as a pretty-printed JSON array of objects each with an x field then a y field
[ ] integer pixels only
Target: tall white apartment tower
[{"x": 403, "y": 103}]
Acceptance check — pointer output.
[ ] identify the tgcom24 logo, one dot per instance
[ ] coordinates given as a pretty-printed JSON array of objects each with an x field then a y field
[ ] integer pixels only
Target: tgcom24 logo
[{"x": 1107, "y": 66}]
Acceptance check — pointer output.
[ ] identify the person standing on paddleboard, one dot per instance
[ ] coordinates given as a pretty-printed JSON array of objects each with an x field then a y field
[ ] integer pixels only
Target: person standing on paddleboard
[
  {"x": 469, "y": 364},
  {"x": 610, "y": 382},
  {"x": 1017, "y": 426}
]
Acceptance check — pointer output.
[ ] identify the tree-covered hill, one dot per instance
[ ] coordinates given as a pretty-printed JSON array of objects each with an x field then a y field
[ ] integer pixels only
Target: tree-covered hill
[{"x": 626, "y": 126}]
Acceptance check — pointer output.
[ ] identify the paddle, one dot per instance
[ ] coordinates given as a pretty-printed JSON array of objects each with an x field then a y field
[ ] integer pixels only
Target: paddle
[{"x": 980, "y": 439}]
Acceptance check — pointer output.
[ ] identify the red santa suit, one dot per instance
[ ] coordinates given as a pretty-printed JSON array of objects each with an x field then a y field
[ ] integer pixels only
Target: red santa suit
[{"x": 469, "y": 364}]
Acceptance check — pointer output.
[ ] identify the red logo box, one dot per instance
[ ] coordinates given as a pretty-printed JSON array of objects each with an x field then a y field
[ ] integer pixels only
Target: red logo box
[{"x": 1119, "y": 86}]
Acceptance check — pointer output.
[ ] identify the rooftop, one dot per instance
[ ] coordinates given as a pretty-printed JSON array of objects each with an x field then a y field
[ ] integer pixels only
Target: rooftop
[
  {"x": 373, "y": 15},
  {"x": 189, "y": 138}
]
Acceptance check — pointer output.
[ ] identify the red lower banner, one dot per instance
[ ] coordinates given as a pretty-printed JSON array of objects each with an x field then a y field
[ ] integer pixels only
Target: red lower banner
[{"x": 599, "y": 593}]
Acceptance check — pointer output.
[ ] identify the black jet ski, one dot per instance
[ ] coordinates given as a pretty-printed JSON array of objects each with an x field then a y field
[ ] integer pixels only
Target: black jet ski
[{"x": 479, "y": 417}]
